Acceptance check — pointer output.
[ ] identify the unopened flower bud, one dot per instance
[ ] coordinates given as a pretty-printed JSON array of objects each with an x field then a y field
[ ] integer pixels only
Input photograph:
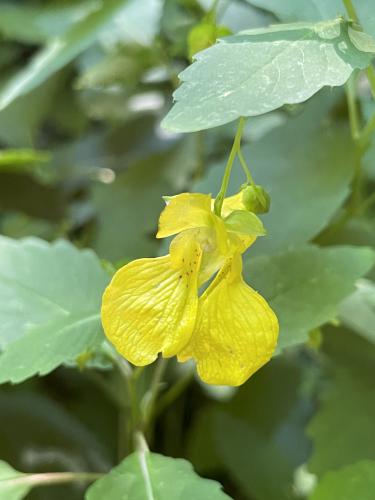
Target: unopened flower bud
[{"x": 256, "y": 199}]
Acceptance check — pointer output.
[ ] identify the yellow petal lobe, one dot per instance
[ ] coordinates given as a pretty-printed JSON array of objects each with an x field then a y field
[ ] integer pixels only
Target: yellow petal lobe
[
  {"x": 150, "y": 306},
  {"x": 231, "y": 204},
  {"x": 185, "y": 211},
  {"x": 236, "y": 330}
]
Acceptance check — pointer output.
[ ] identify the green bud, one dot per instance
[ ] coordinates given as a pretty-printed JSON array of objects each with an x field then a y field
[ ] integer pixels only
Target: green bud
[
  {"x": 204, "y": 35},
  {"x": 256, "y": 199}
]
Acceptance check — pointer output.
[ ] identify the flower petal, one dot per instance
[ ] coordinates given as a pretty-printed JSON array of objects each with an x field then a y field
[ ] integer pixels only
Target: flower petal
[
  {"x": 236, "y": 330},
  {"x": 232, "y": 203},
  {"x": 150, "y": 306},
  {"x": 185, "y": 211}
]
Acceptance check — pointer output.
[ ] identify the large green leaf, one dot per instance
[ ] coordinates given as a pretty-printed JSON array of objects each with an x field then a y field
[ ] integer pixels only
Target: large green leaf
[
  {"x": 50, "y": 305},
  {"x": 342, "y": 430},
  {"x": 260, "y": 70},
  {"x": 305, "y": 286},
  {"x": 147, "y": 476},
  {"x": 306, "y": 165},
  {"x": 13, "y": 485},
  {"x": 289, "y": 11},
  {"x": 59, "y": 51},
  {"x": 354, "y": 481}
]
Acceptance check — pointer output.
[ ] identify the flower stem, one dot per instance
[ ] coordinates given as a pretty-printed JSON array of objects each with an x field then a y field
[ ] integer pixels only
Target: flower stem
[
  {"x": 350, "y": 10},
  {"x": 366, "y": 134},
  {"x": 173, "y": 392},
  {"x": 352, "y": 106},
  {"x": 245, "y": 168},
  {"x": 370, "y": 71},
  {"x": 228, "y": 168},
  {"x": 153, "y": 392}
]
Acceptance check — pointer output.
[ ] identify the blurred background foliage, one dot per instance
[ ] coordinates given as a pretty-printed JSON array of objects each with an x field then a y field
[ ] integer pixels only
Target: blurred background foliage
[{"x": 84, "y": 85}]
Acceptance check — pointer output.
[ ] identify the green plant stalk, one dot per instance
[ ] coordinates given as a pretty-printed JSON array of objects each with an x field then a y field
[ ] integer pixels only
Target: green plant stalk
[
  {"x": 370, "y": 71},
  {"x": 351, "y": 98},
  {"x": 47, "y": 478},
  {"x": 173, "y": 393},
  {"x": 228, "y": 168},
  {"x": 350, "y": 10},
  {"x": 153, "y": 393},
  {"x": 356, "y": 135},
  {"x": 245, "y": 168},
  {"x": 365, "y": 136}
]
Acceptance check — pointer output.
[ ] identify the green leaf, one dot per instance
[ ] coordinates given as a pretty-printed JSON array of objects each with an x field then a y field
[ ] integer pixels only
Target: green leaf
[
  {"x": 50, "y": 298},
  {"x": 244, "y": 222},
  {"x": 342, "y": 428},
  {"x": 358, "y": 310},
  {"x": 37, "y": 23},
  {"x": 305, "y": 286},
  {"x": 11, "y": 485},
  {"x": 306, "y": 166},
  {"x": 289, "y": 11},
  {"x": 354, "y": 481},
  {"x": 138, "y": 22},
  {"x": 59, "y": 51},
  {"x": 145, "y": 476},
  {"x": 258, "y": 71}
]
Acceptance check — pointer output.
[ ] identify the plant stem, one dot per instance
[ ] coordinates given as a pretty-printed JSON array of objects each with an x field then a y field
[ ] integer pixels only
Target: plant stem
[
  {"x": 228, "y": 168},
  {"x": 173, "y": 393},
  {"x": 365, "y": 136},
  {"x": 154, "y": 391},
  {"x": 212, "y": 11},
  {"x": 351, "y": 98},
  {"x": 350, "y": 10},
  {"x": 368, "y": 202},
  {"x": 245, "y": 168},
  {"x": 46, "y": 478},
  {"x": 370, "y": 71}
]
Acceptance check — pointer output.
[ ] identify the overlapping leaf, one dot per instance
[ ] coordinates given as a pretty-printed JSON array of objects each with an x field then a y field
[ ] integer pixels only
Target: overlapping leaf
[
  {"x": 59, "y": 51},
  {"x": 144, "y": 476},
  {"x": 257, "y": 71},
  {"x": 305, "y": 286},
  {"x": 289, "y": 11},
  {"x": 50, "y": 305}
]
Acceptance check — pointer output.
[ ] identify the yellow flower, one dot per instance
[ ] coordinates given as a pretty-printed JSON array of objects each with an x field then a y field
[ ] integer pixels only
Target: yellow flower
[{"x": 152, "y": 305}]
